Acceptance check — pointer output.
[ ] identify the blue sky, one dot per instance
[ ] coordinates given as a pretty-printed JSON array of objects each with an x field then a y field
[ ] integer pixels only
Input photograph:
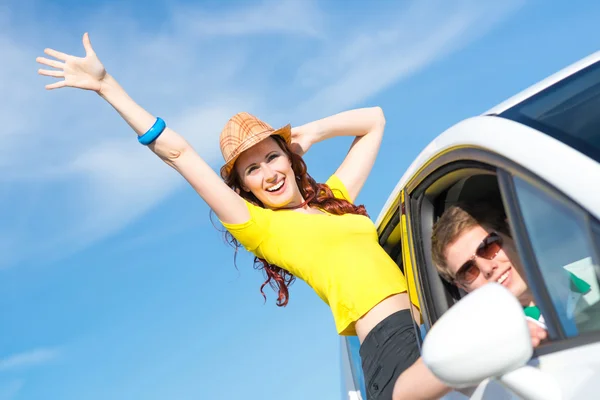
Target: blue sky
[{"x": 113, "y": 282}]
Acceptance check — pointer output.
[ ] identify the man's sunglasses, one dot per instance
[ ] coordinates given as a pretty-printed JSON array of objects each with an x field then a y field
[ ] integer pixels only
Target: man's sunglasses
[{"x": 489, "y": 247}]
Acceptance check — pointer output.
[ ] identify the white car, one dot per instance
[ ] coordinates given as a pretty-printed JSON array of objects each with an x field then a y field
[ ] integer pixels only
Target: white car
[{"x": 538, "y": 155}]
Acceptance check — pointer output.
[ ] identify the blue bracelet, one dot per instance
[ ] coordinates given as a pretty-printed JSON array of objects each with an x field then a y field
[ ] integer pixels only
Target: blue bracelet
[{"x": 153, "y": 133}]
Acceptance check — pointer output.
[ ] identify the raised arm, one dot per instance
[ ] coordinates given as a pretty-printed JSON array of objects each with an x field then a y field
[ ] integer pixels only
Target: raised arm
[
  {"x": 367, "y": 124},
  {"x": 88, "y": 73}
]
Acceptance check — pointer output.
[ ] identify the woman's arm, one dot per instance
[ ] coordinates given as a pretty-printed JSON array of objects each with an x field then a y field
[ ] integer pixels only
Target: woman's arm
[
  {"x": 367, "y": 124},
  {"x": 419, "y": 383},
  {"x": 89, "y": 73}
]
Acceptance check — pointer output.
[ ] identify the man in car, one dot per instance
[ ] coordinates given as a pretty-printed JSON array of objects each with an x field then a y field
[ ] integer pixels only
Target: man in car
[{"x": 471, "y": 246}]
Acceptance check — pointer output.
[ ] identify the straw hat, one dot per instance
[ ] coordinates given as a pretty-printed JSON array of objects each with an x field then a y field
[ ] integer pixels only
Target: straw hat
[{"x": 243, "y": 131}]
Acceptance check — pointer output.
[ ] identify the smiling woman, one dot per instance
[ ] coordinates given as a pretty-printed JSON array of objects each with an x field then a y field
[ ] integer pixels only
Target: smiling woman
[
  {"x": 293, "y": 225},
  {"x": 273, "y": 176}
]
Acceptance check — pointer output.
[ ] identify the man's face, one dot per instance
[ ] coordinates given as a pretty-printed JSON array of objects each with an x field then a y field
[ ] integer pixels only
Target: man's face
[{"x": 497, "y": 261}]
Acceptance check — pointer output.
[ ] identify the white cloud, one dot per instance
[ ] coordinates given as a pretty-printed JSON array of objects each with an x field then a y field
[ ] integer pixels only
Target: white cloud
[
  {"x": 370, "y": 61},
  {"x": 271, "y": 16},
  {"x": 19, "y": 99},
  {"x": 74, "y": 170},
  {"x": 28, "y": 359}
]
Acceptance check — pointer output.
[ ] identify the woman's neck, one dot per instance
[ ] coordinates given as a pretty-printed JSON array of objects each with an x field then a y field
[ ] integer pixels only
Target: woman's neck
[{"x": 301, "y": 204}]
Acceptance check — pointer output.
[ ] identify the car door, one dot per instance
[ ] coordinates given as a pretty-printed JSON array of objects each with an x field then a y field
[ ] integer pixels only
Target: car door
[
  {"x": 538, "y": 154},
  {"x": 444, "y": 182},
  {"x": 560, "y": 244},
  {"x": 553, "y": 233}
]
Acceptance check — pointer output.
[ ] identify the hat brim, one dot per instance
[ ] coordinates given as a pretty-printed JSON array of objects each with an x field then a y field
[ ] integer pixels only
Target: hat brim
[{"x": 285, "y": 132}]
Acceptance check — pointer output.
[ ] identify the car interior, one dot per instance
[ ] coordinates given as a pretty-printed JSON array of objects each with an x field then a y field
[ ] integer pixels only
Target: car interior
[
  {"x": 466, "y": 184},
  {"x": 462, "y": 185},
  {"x": 476, "y": 185}
]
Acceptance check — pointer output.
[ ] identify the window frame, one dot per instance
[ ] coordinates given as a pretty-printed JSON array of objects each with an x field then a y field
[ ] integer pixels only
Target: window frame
[
  {"x": 394, "y": 224},
  {"x": 454, "y": 159},
  {"x": 536, "y": 281},
  {"x": 595, "y": 229},
  {"x": 525, "y": 250},
  {"x": 505, "y": 169},
  {"x": 433, "y": 305}
]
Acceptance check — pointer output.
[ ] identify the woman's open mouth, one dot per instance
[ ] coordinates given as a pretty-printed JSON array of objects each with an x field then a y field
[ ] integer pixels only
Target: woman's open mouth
[{"x": 277, "y": 188}]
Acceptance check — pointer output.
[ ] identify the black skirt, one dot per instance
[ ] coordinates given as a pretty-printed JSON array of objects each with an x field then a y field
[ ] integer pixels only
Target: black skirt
[{"x": 387, "y": 351}]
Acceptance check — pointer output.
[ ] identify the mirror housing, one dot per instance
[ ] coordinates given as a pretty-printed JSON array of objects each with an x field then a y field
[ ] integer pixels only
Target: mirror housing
[{"x": 483, "y": 335}]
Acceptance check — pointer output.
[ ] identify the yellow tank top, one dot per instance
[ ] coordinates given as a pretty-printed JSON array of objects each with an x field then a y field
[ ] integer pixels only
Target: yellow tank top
[{"x": 339, "y": 256}]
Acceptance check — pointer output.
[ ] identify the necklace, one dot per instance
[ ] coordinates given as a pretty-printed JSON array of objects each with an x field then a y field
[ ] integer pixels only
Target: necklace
[{"x": 301, "y": 205}]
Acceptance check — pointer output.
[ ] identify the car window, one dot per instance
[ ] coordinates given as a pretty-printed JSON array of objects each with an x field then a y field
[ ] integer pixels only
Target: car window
[
  {"x": 566, "y": 253},
  {"x": 567, "y": 111},
  {"x": 355, "y": 363}
]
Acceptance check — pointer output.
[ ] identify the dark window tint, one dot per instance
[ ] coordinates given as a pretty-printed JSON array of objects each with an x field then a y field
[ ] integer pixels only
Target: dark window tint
[{"x": 567, "y": 111}]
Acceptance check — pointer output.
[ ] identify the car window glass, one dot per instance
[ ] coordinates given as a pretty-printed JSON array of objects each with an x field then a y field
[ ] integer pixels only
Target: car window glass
[
  {"x": 355, "y": 363},
  {"x": 566, "y": 256},
  {"x": 566, "y": 111}
]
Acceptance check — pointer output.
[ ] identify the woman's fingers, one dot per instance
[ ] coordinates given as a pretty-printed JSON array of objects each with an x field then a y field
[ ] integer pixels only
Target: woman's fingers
[
  {"x": 50, "y": 72},
  {"x": 56, "y": 54},
  {"x": 56, "y": 85},
  {"x": 87, "y": 44},
  {"x": 50, "y": 63},
  {"x": 538, "y": 334}
]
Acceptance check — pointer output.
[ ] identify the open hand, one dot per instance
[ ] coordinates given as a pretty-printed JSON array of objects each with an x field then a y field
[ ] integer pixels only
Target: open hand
[{"x": 83, "y": 73}]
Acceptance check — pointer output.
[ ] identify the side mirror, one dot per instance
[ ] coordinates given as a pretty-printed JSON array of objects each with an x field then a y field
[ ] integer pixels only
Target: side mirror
[{"x": 483, "y": 335}]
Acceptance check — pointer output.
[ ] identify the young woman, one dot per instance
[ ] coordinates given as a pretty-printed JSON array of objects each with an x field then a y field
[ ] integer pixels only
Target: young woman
[{"x": 294, "y": 226}]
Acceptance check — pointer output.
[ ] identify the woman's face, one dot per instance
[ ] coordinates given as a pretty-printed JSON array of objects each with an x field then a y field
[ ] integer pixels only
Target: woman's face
[{"x": 266, "y": 171}]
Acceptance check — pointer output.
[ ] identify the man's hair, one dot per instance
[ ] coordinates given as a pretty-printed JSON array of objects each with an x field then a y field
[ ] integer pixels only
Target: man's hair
[{"x": 457, "y": 219}]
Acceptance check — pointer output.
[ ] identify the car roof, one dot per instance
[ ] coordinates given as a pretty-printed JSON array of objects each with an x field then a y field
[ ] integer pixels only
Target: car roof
[{"x": 475, "y": 132}]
